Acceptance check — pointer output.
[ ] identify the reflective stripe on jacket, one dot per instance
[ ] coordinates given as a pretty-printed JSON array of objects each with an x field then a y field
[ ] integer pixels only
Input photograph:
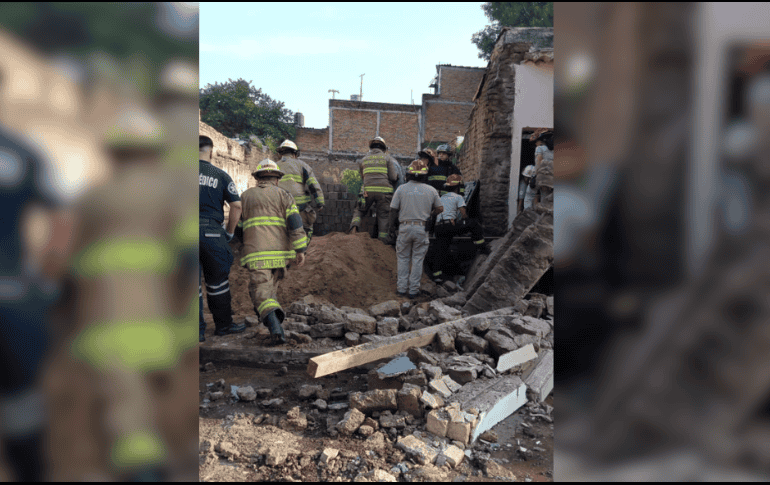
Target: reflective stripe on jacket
[
  {"x": 377, "y": 172},
  {"x": 300, "y": 182}
]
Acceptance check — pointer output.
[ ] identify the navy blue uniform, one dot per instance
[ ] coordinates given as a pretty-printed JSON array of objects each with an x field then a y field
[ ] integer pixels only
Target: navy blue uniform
[
  {"x": 216, "y": 188},
  {"x": 24, "y": 302},
  {"x": 437, "y": 175}
]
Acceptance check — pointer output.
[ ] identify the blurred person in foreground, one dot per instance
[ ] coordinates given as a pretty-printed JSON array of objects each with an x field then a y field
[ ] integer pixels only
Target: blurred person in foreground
[
  {"x": 28, "y": 288},
  {"x": 124, "y": 273},
  {"x": 272, "y": 235},
  {"x": 216, "y": 187}
]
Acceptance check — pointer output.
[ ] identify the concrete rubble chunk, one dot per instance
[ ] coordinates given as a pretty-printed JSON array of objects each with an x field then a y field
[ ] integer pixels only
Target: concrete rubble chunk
[
  {"x": 493, "y": 399},
  {"x": 365, "y": 431},
  {"x": 450, "y": 285},
  {"x": 437, "y": 422},
  {"x": 308, "y": 391},
  {"x": 392, "y": 421},
  {"x": 540, "y": 380},
  {"x": 480, "y": 325},
  {"x": 421, "y": 452},
  {"x": 516, "y": 358},
  {"x": 450, "y": 384},
  {"x": 462, "y": 375},
  {"x": 320, "y": 404},
  {"x": 458, "y": 428},
  {"x": 432, "y": 371},
  {"x": 549, "y": 305},
  {"x": 523, "y": 340},
  {"x": 499, "y": 342},
  {"x": 440, "y": 387},
  {"x": 376, "y": 441},
  {"x": 531, "y": 326},
  {"x": 453, "y": 455},
  {"x": 352, "y": 339},
  {"x": 227, "y": 450},
  {"x": 300, "y": 308},
  {"x": 297, "y": 327},
  {"x": 473, "y": 342},
  {"x": 458, "y": 299},
  {"x": 489, "y": 436},
  {"x": 327, "y": 314},
  {"x": 376, "y": 400},
  {"x": 431, "y": 401},
  {"x": 275, "y": 456},
  {"x": 417, "y": 378},
  {"x": 350, "y": 423},
  {"x": 295, "y": 420},
  {"x": 388, "y": 327},
  {"x": 360, "y": 324},
  {"x": 365, "y": 339},
  {"x": 406, "y": 306},
  {"x": 327, "y": 330},
  {"x": 443, "y": 313},
  {"x": 390, "y": 308},
  {"x": 418, "y": 355},
  {"x": 347, "y": 310},
  {"x": 246, "y": 394},
  {"x": 328, "y": 454},
  {"x": 409, "y": 400},
  {"x": 404, "y": 324},
  {"x": 444, "y": 341}
]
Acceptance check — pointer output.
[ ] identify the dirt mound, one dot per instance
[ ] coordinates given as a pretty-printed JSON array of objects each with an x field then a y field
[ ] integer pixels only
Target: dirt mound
[{"x": 343, "y": 269}]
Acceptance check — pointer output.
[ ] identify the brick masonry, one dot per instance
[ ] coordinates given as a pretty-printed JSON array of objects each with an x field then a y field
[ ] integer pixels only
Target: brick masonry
[
  {"x": 312, "y": 139},
  {"x": 458, "y": 83}
]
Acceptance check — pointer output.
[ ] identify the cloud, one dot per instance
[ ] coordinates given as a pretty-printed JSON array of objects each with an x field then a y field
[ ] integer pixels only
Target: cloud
[{"x": 285, "y": 46}]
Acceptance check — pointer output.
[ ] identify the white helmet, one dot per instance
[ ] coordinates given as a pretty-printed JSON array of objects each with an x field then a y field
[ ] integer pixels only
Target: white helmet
[{"x": 288, "y": 144}]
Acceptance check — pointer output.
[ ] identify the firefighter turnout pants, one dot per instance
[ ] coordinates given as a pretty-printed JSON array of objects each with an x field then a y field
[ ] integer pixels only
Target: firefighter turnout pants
[
  {"x": 215, "y": 261},
  {"x": 381, "y": 202},
  {"x": 263, "y": 290}
]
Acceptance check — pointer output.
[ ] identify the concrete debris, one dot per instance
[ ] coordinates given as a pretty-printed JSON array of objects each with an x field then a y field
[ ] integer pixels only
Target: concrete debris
[
  {"x": 480, "y": 325},
  {"x": 450, "y": 286},
  {"x": 327, "y": 330},
  {"x": 440, "y": 387},
  {"x": 442, "y": 312},
  {"x": 495, "y": 470},
  {"x": 299, "y": 308},
  {"x": 264, "y": 392},
  {"x": 327, "y": 455},
  {"x": 473, "y": 342},
  {"x": 360, "y": 324},
  {"x": 437, "y": 422},
  {"x": 209, "y": 367},
  {"x": 352, "y": 339},
  {"x": 320, "y": 404},
  {"x": 531, "y": 326},
  {"x": 376, "y": 441},
  {"x": 494, "y": 399},
  {"x": 489, "y": 436},
  {"x": 500, "y": 342},
  {"x": 327, "y": 314},
  {"x": 388, "y": 420},
  {"x": 227, "y": 450},
  {"x": 463, "y": 375},
  {"x": 338, "y": 406},
  {"x": 388, "y": 327},
  {"x": 365, "y": 431},
  {"x": 456, "y": 300},
  {"x": 540, "y": 380},
  {"x": 247, "y": 394},
  {"x": 408, "y": 399},
  {"x": 386, "y": 309},
  {"x": 272, "y": 403},
  {"x": 453, "y": 455},
  {"x": 442, "y": 292},
  {"x": 459, "y": 427},
  {"x": 308, "y": 391},
  {"x": 432, "y": 371},
  {"x": 216, "y": 396},
  {"x": 275, "y": 456},
  {"x": 350, "y": 423},
  {"x": 516, "y": 358},
  {"x": 299, "y": 338},
  {"x": 380, "y": 476},
  {"x": 365, "y": 339},
  {"x": 549, "y": 305},
  {"x": 376, "y": 400},
  {"x": 295, "y": 420},
  {"x": 444, "y": 341},
  {"x": 418, "y": 355},
  {"x": 450, "y": 384},
  {"x": 405, "y": 307},
  {"x": 421, "y": 452},
  {"x": 431, "y": 401}
]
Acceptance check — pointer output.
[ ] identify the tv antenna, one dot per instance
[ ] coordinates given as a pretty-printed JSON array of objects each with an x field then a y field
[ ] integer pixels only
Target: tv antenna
[
  {"x": 333, "y": 91},
  {"x": 361, "y": 93}
]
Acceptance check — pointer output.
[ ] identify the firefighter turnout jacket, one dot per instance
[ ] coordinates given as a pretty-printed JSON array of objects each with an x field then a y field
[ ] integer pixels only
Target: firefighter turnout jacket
[
  {"x": 300, "y": 182},
  {"x": 272, "y": 227},
  {"x": 379, "y": 175}
]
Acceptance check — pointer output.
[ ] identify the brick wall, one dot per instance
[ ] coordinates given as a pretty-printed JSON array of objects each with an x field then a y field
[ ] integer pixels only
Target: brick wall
[
  {"x": 401, "y": 132},
  {"x": 486, "y": 152},
  {"x": 445, "y": 122},
  {"x": 354, "y": 124},
  {"x": 312, "y": 139},
  {"x": 352, "y": 130},
  {"x": 337, "y": 212},
  {"x": 458, "y": 83}
]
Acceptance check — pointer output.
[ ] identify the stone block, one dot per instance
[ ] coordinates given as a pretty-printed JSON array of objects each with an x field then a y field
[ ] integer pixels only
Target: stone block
[
  {"x": 360, "y": 324},
  {"x": 500, "y": 343},
  {"x": 350, "y": 423},
  {"x": 458, "y": 428},
  {"x": 327, "y": 314},
  {"x": 473, "y": 342},
  {"x": 328, "y": 454},
  {"x": 432, "y": 371},
  {"x": 462, "y": 375},
  {"x": 444, "y": 341},
  {"x": 352, "y": 339},
  {"x": 390, "y": 308},
  {"x": 365, "y": 431},
  {"x": 431, "y": 401},
  {"x": 438, "y": 386},
  {"x": 418, "y": 355},
  {"x": 421, "y": 452},
  {"x": 408, "y": 399},
  {"x": 388, "y": 327},
  {"x": 246, "y": 394},
  {"x": 388, "y": 420},
  {"x": 450, "y": 384},
  {"x": 437, "y": 423},
  {"x": 453, "y": 455},
  {"x": 327, "y": 330},
  {"x": 516, "y": 358},
  {"x": 531, "y": 326},
  {"x": 443, "y": 313},
  {"x": 376, "y": 400}
]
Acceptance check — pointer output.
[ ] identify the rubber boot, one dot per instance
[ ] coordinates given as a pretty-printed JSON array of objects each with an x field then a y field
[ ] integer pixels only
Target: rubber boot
[
  {"x": 233, "y": 328},
  {"x": 273, "y": 323}
]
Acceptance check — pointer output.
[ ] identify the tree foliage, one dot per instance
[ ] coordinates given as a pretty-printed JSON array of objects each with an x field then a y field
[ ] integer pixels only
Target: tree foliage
[
  {"x": 510, "y": 14},
  {"x": 236, "y": 108},
  {"x": 352, "y": 180}
]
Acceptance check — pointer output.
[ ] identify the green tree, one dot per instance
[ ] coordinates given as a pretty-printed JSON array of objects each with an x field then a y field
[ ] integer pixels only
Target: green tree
[
  {"x": 511, "y": 14},
  {"x": 236, "y": 108},
  {"x": 352, "y": 180}
]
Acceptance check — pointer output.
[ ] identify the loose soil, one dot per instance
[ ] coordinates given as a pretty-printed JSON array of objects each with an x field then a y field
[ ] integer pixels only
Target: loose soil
[{"x": 343, "y": 269}]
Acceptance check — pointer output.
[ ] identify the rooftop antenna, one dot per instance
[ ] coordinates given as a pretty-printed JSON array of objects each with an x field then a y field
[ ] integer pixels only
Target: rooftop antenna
[
  {"x": 361, "y": 93},
  {"x": 333, "y": 91},
  {"x": 412, "y": 94}
]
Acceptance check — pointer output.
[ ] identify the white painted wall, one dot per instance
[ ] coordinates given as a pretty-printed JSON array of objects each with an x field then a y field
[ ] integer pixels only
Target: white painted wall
[{"x": 533, "y": 107}]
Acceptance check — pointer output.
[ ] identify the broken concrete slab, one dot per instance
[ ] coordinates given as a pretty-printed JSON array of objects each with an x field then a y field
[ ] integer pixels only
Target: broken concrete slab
[
  {"x": 376, "y": 400},
  {"x": 494, "y": 400},
  {"x": 360, "y": 324},
  {"x": 540, "y": 380},
  {"x": 518, "y": 270},
  {"x": 390, "y": 308},
  {"x": 516, "y": 358},
  {"x": 421, "y": 452},
  {"x": 450, "y": 384}
]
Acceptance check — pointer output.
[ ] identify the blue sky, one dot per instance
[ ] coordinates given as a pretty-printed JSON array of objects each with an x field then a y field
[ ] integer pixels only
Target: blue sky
[{"x": 296, "y": 52}]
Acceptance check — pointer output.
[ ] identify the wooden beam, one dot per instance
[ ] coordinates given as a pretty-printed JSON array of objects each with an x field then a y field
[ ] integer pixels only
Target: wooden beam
[{"x": 365, "y": 353}]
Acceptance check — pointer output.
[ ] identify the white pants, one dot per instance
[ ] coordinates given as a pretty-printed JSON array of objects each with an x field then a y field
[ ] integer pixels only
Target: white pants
[{"x": 411, "y": 247}]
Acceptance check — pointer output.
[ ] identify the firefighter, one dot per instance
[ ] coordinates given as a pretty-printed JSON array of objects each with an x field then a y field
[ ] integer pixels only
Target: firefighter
[
  {"x": 215, "y": 188},
  {"x": 272, "y": 234},
  {"x": 441, "y": 168},
  {"x": 300, "y": 182},
  {"x": 378, "y": 175},
  {"x": 125, "y": 282},
  {"x": 411, "y": 207},
  {"x": 453, "y": 222}
]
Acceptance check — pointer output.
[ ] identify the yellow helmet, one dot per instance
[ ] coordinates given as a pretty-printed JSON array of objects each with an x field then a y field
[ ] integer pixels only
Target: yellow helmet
[
  {"x": 267, "y": 167},
  {"x": 288, "y": 144}
]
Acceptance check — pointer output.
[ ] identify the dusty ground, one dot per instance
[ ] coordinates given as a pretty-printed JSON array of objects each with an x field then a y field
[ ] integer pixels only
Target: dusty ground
[{"x": 232, "y": 423}]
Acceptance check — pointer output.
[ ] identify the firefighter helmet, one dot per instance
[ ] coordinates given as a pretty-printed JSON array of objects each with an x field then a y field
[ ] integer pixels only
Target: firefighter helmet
[
  {"x": 428, "y": 153},
  {"x": 288, "y": 144},
  {"x": 378, "y": 141},
  {"x": 267, "y": 168},
  {"x": 417, "y": 167},
  {"x": 444, "y": 149},
  {"x": 453, "y": 180}
]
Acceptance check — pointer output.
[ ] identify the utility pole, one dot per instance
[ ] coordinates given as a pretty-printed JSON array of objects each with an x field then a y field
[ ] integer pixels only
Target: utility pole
[
  {"x": 361, "y": 94},
  {"x": 333, "y": 91}
]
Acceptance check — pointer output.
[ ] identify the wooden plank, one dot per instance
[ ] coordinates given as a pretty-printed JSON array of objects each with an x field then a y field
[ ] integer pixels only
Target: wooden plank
[{"x": 365, "y": 353}]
